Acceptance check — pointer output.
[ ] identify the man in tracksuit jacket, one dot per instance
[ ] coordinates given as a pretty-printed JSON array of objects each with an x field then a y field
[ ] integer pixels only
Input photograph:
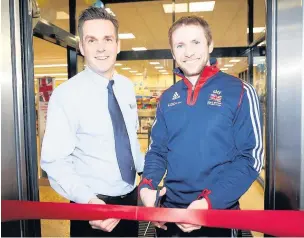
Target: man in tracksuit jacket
[{"x": 207, "y": 134}]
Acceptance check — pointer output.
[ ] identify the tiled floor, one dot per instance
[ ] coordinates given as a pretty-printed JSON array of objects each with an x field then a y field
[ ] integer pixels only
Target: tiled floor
[{"x": 252, "y": 200}]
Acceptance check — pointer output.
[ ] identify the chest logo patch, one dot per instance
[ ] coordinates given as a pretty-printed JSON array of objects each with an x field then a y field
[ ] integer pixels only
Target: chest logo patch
[{"x": 215, "y": 98}]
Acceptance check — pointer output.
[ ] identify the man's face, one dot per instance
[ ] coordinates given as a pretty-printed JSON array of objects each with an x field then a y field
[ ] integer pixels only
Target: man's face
[
  {"x": 99, "y": 46},
  {"x": 190, "y": 49}
]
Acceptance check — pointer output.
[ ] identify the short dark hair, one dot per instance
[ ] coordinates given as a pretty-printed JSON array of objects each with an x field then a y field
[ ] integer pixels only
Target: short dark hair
[
  {"x": 191, "y": 20},
  {"x": 93, "y": 13}
]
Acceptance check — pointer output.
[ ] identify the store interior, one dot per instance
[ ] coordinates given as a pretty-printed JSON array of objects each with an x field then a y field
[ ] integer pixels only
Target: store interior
[{"x": 143, "y": 27}]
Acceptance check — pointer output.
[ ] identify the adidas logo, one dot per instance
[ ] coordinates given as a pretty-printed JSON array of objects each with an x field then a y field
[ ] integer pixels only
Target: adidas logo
[{"x": 175, "y": 96}]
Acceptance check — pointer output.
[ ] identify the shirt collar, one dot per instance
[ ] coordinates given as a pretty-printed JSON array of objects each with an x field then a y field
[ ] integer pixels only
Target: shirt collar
[{"x": 98, "y": 78}]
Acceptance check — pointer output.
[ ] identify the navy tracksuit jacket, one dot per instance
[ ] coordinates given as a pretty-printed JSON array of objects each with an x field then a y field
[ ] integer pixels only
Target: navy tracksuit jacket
[{"x": 208, "y": 139}]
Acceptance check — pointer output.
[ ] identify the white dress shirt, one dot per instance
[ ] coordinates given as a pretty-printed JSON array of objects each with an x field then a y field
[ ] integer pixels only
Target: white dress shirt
[{"x": 78, "y": 149}]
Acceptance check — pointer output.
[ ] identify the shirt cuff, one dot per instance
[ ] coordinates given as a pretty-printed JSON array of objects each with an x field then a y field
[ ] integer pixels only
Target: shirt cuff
[
  {"x": 205, "y": 195},
  {"x": 82, "y": 195}
]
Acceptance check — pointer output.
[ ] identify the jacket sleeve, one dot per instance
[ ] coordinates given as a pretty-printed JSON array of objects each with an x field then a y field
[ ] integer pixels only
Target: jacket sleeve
[
  {"x": 56, "y": 155},
  {"x": 156, "y": 157},
  {"x": 236, "y": 179}
]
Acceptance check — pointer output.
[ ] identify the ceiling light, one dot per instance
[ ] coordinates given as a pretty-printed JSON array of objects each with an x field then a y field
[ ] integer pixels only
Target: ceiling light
[
  {"x": 139, "y": 48},
  {"x": 110, "y": 11},
  {"x": 124, "y": 36},
  {"x": 159, "y": 67},
  {"x": 234, "y": 61},
  {"x": 257, "y": 29},
  {"x": 201, "y": 6},
  {"x": 46, "y": 75},
  {"x": 133, "y": 71},
  {"x": 139, "y": 74},
  {"x": 162, "y": 70},
  {"x": 228, "y": 65},
  {"x": 255, "y": 65},
  {"x": 179, "y": 7},
  {"x": 62, "y": 15},
  {"x": 223, "y": 69},
  {"x": 49, "y": 65},
  {"x": 126, "y": 68},
  {"x": 165, "y": 73},
  {"x": 118, "y": 64},
  {"x": 154, "y": 63}
]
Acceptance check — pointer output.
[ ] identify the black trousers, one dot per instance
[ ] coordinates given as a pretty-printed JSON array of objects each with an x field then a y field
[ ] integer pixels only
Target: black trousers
[
  {"x": 174, "y": 231},
  {"x": 124, "y": 228}
]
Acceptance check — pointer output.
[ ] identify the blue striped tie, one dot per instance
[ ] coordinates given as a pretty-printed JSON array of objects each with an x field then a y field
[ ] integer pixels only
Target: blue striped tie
[{"x": 122, "y": 141}]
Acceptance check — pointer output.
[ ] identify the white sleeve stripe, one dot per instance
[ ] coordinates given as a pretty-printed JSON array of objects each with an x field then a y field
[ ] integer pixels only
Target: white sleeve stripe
[
  {"x": 260, "y": 150},
  {"x": 255, "y": 119},
  {"x": 151, "y": 141}
]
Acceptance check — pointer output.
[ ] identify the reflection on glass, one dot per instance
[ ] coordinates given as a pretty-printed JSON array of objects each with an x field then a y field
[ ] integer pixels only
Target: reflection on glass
[
  {"x": 259, "y": 82},
  {"x": 141, "y": 24},
  {"x": 227, "y": 19},
  {"x": 55, "y": 12},
  {"x": 50, "y": 70}
]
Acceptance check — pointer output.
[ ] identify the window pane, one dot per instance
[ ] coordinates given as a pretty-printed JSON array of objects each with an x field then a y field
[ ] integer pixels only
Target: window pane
[
  {"x": 227, "y": 20},
  {"x": 55, "y": 12},
  {"x": 147, "y": 21}
]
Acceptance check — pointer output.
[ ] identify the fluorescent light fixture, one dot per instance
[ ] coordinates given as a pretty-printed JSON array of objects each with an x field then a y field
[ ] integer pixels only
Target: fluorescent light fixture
[
  {"x": 139, "y": 48},
  {"x": 110, "y": 11},
  {"x": 153, "y": 63},
  {"x": 118, "y": 64},
  {"x": 162, "y": 70},
  {"x": 223, "y": 69},
  {"x": 49, "y": 65},
  {"x": 126, "y": 68},
  {"x": 257, "y": 29},
  {"x": 234, "y": 61},
  {"x": 46, "y": 75},
  {"x": 124, "y": 36},
  {"x": 165, "y": 73},
  {"x": 228, "y": 65},
  {"x": 179, "y": 7},
  {"x": 207, "y": 6},
  {"x": 139, "y": 74},
  {"x": 62, "y": 15},
  {"x": 133, "y": 71},
  {"x": 159, "y": 67}
]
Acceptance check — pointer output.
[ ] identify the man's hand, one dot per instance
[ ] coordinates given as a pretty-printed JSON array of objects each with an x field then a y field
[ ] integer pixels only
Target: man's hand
[
  {"x": 106, "y": 225},
  {"x": 197, "y": 204},
  {"x": 148, "y": 197}
]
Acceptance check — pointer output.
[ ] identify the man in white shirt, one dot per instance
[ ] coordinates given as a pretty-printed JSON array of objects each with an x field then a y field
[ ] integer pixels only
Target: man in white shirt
[{"x": 90, "y": 149}]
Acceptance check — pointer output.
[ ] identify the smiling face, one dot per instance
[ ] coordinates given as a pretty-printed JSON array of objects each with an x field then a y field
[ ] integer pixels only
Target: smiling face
[
  {"x": 191, "y": 50},
  {"x": 100, "y": 46}
]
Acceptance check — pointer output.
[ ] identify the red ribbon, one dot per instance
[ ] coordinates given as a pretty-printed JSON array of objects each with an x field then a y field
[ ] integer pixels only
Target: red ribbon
[{"x": 276, "y": 223}]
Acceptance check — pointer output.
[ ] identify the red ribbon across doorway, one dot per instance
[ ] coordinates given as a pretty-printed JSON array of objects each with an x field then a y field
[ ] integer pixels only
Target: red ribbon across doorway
[{"x": 276, "y": 223}]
